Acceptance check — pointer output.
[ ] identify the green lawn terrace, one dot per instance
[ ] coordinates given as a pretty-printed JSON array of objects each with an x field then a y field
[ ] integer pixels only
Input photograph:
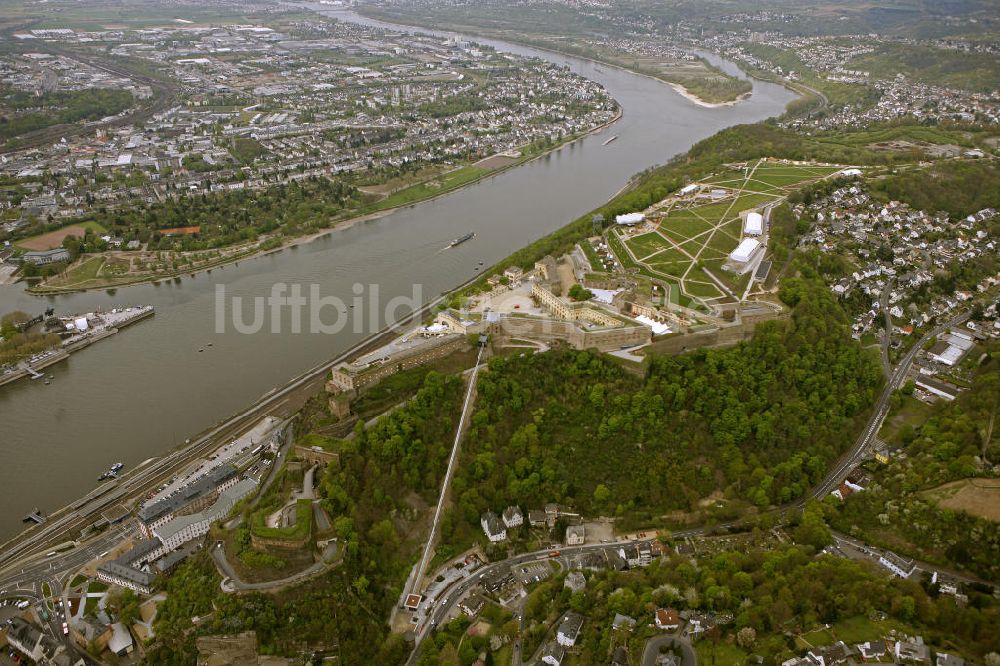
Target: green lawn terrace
[{"x": 691, "y": 233}]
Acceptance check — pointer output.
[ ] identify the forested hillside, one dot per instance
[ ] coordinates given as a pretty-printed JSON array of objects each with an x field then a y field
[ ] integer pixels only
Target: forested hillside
[
  {"x": 386, "y": 475},
  {"x": 958, "y": 187},
  {"x": 761, "y": 421}
]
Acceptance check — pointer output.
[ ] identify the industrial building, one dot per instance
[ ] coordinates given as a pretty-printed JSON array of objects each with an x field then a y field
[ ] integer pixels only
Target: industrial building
[
  {"x": 745, "y": 250},
  {"x": 950, "y": 349},
  {"x": 137, "y": 569},
  {"x": 398, "y": 355},
  {"x": 43, "y": 257},
  {"x": 131, "y": 570},
  {"x": 265, "y": 434}
]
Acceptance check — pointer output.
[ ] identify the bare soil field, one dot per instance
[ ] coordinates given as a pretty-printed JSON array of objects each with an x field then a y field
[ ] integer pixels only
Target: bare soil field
[
  {"x": 53, "y": 238},
  {"x": 980, "y": 497},
  {"x": 495, "y": 162}
]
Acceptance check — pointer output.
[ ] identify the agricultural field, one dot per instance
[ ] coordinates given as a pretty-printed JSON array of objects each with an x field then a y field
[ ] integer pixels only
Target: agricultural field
[
  {"x": 692, "y": 236},
  {"x": 104, "y": 15},
  {"x": 980, "y": 497}
]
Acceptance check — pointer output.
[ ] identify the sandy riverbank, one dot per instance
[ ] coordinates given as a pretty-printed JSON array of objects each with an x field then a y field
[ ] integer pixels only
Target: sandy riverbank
[{"x": 694, "y": 99}]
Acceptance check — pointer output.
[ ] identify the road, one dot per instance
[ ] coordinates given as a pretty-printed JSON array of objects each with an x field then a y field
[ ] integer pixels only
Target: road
[
  {"x": 65, "y": 524},
  {"x": 24, "y": 572},
  {"x": 232, "y": 582},
  {"x": 881, "y": 409},
  {"x": 443, "y": 606},
  {"x": 840, "y": 539},
  {"x": 450, "y": 597},
  {"x": 164, "y": 96},
  {"x": 887, "y": 335},
  {"x": 28, "y": 581},
  {"x": 652, "y": 649}
]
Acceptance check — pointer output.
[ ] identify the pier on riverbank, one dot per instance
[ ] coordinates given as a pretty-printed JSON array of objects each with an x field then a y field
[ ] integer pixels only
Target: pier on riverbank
[{"x": 105, "y": 325}]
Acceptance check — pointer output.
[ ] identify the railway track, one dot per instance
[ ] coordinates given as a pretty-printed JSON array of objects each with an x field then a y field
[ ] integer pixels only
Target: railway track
[{"x": 165, "y": 94}]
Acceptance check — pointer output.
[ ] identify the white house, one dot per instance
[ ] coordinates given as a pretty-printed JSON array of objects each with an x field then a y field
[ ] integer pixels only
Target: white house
[
  {"x": 512, "y": 517},
  {"x": 575, "y": 535},
  {"x": 493, "y": 527},
  {"x": 897, "y": 565}
]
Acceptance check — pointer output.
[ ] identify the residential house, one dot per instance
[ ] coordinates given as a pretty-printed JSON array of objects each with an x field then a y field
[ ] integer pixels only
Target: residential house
[
  {"x": 913, "y": 651},
  {"x": 871, "y": 650},
  {"x": 512, "y": 517},
  {"x": 575, "y": 535},
  {"x": 623, "y": 621},
  {"x": 900, "y": 566},
  {"x": 645, "y": 551},
  {"x": 944, "y": 659},
  {"x": 473, "y": 604},
  {"x": 551, "y": 513},
  {"x": 829, "y": 655},
  {"x": 494, "y": 580},
  {"x": 553, "y": 654},
  {"x": 667, "y": 619},
  {"x": 88, "y": 631},
  {"x": 493, "y": 527},
  {"x": 121, "y": 640},
  {"x": 569, "y": 629},
  {"x": 537, "y": 518},
  {"x": 630, "y": 554}
]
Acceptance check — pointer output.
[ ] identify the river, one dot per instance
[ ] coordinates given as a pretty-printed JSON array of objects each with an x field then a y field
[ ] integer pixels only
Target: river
[{"x": 141, "y": 392}]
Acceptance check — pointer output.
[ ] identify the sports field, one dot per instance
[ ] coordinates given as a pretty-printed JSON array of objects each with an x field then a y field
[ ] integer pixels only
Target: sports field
[{"x": 693, "y": 236}]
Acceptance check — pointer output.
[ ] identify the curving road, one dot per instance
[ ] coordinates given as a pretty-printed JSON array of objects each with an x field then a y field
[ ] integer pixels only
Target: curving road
[
  {"x": 443, "y": 606},
  {"x": 896, "y": 379},
  {"x": 232, "y": 582},
  {"x": 652, "y": 649}
]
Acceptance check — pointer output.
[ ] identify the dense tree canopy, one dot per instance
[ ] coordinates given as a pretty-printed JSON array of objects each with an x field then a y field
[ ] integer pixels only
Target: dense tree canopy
[
  {"x": 900, "y": 510},
  {"x": 385, "y": 474},
  {"x": 761, "y": 421}
]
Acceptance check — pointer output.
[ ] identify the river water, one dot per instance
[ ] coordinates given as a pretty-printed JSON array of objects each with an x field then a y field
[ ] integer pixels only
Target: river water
[{"x": 139, "y": 393}]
